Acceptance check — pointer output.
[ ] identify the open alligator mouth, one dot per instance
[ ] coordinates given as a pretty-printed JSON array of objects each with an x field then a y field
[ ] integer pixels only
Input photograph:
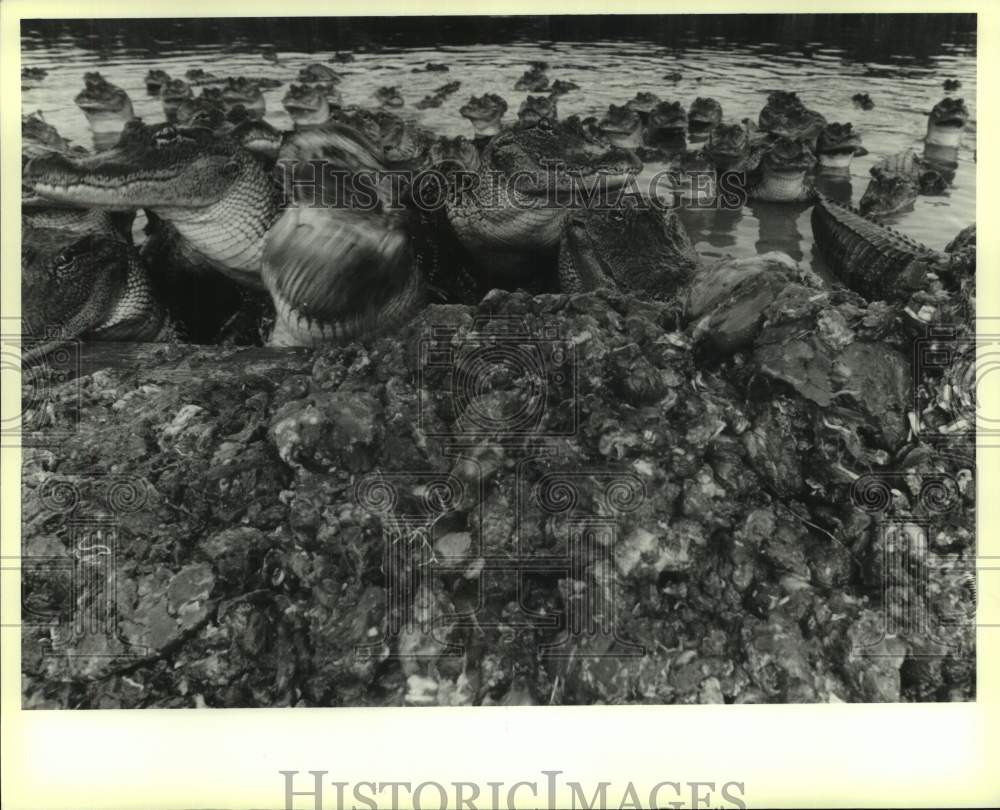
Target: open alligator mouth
[{"x": 950, "y": 122}]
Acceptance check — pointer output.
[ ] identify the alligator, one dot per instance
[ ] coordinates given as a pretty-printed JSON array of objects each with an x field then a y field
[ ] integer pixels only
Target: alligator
[
  {"x": 951, "y": 85},
  {"x": 731, "y": 148},
  {"x": 254, "y": 134},
  {"x": 484, "y": 113},
  {"x": 389, "y": 97},
  {"x": 200, "y": 112},
  {"x": 342, "y": 57},
  {"x": 343, "y": 270},
  {"x": 246, "y": 93},
  {"x": 533, "y": 80},
  {"x": 704, "y": 114},
  {"x": 673, "y": 76},
  {"x": 306, "y": 104},
  {"x": 622, "y": 126},
  {"x": 449, "y": 155},
  {"x": 946, "y": 121},
  {"x": 643, "y": 104},
  {"x": 783, "y": 170},
  {"x": 560, "y": 87},
  {"x": 403, "y": 143},
  {"x": 872, "y": 259},
  {"x": 431, "y": 67},
  {"x": 106, "y": 106},
  {"x": 316, "y": 72},
  {"x": 217, "y": 194},
  {"x": 786, "y": 115},
  {"x": 536, "y": 108},
  {"x": 506, "y": 226},
  {"x": 173, "y": 93},
  {"x": 837, "y": 145},
  {"x": 197, "y": 77},
  {"x": 155, "y": 79},
  {"x": 31, "y": 77},
  {"x": 436, "y": 99},
  {"x": 640, "y": 250},
  {"x": 38, "y": 137},
  {"x": 587, "y": 132},
  {"x": 83, "y": 287},
  {"x": 863, "y": 100},
  {"x": 694, "y": 180},
  {"x": 666, "y": 121},
  {"x": 898, "y": 180}
]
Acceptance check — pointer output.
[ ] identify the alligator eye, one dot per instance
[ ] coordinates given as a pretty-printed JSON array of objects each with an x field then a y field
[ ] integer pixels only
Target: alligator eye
[{"x": 64, "y": 261}]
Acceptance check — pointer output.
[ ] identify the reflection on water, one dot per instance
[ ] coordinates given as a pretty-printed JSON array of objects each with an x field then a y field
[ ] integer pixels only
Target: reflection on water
[{"x": 900, "y": 64}]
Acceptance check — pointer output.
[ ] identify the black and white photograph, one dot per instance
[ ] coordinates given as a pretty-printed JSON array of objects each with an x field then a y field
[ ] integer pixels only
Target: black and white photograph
[{"x": 471, "y": 361}]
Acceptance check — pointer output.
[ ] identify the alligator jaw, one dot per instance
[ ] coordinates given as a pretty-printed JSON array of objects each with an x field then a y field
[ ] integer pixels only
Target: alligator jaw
[{"x": 103, "y": 182}]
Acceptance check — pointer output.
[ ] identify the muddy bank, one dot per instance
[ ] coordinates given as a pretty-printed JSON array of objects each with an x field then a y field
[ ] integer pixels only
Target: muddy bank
[{"x": 558, "y": 499}]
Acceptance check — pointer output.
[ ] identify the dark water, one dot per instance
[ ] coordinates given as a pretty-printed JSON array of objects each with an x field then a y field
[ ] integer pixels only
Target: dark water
[{"x": 899, "y": 60}]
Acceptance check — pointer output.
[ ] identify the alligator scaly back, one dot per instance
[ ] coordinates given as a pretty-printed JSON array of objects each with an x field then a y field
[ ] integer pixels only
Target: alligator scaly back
[{"x": 870, "y": 258}]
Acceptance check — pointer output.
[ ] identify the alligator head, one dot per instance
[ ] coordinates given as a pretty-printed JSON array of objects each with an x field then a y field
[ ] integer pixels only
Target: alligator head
[
  {"x": 155, "y": 79},
  {"x": 837, "y": 144},
  {"x": 643, "y": 103},
  {"x": 485, "y": 113},
  {"x": 694, "y": 178},
  {"x": 197, "y": 76},
  {"x": 728, "y": 145},
  {"x": 389, "y": 97},
  {"x": 106, "y": 106},
  {"x": 888, "y": 193},
  {"x": 244, "y": 92},
  {"x": 31, "y": 76},
  {"x": 449, "y": 155},
  {"x": 946, "y": 122},
  {"x": 39, "y": 137},
  {"x": 210, "y": 188},
  {"x": 587, "y": 132},
  {"x": 401, "y": 141},
  {"x": 200, "y": 112},
  {"x": 173, "y": 93},
  {"x": 257, "y": 136},
  {"x": 561, "y": 87},
  {"x": 622, "y": 126},
  {"x": 318, "y": 73},
  {"x": 306, "y": 104},
  {"x": 786, "y": 115},
  {"x": 640, "y": 250},
  {"x": 529, "y": 178},
  {"x": 75, "y": 287},
  {"x": 784, "y": 168},
  {"x": 534, "y": 108},
  {"x": 534, "y": 80},
  {"x": 341, "y": 271},
  {"x": 667, "y": 121},
  {"x": 863, "y": 100},
  {"x": 705, "y": 113}
]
